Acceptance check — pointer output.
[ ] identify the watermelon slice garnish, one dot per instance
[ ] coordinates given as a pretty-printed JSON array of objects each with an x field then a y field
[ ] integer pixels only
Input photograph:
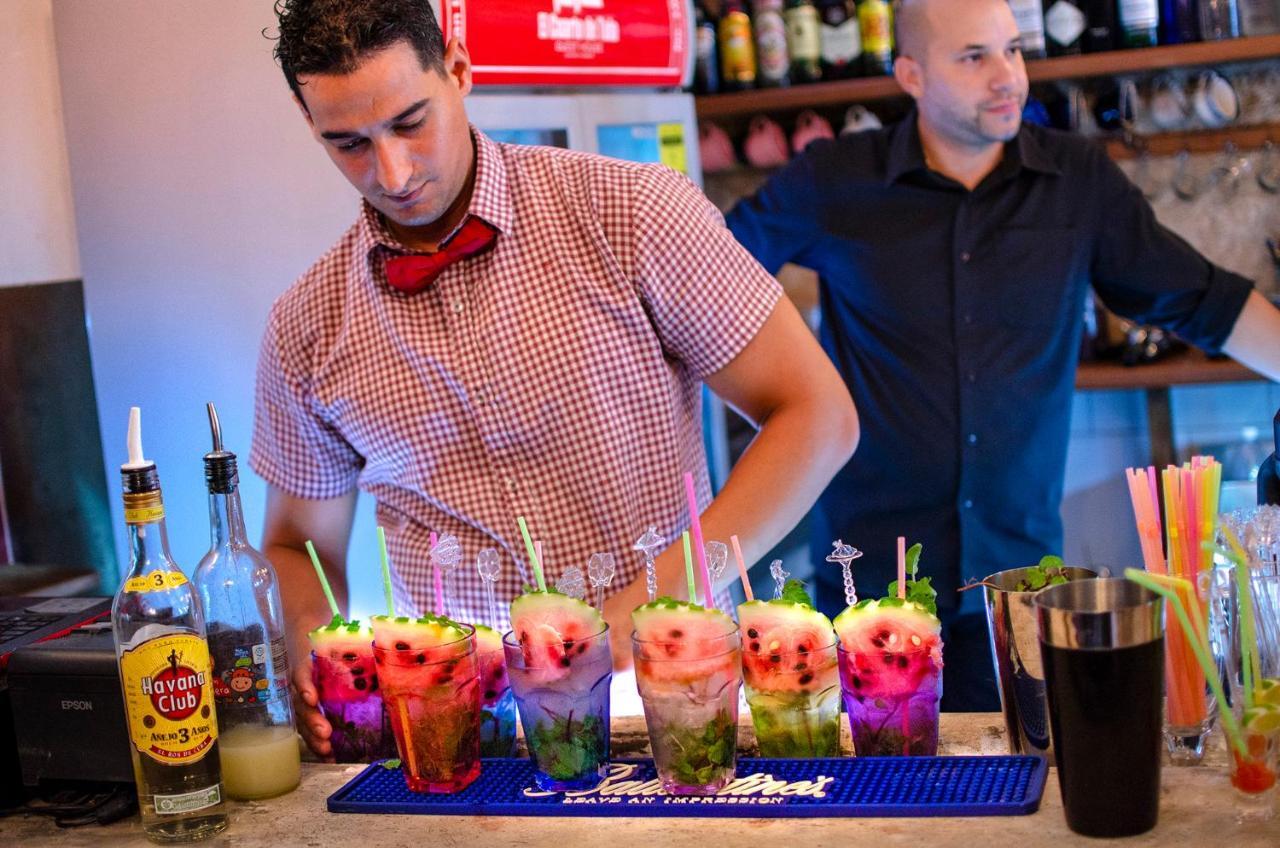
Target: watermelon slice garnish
[
  {"x": 787, "y": 645},
  {"x": 891, "y": 646},
  {"x": 553, "y": 631},
  {"x": 680, "y": 642},
  {"x": 346, "y": 647},
  {"x": 493, "y": 665}
]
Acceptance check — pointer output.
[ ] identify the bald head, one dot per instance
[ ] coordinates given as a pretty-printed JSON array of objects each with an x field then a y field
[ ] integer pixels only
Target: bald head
[{"x": 917, "y": 23}]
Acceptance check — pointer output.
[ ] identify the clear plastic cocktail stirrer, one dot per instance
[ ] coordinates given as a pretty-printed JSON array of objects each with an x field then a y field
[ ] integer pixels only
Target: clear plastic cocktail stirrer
[
  {"x": 489, "y": 565},
  {"x": 648, "y": 543},
  {"x": 717, "y": 559},
  {"x": 845, "y": 555},
  {"x": 600, "y": 570},
  {"x": 447, "y": 556},
  {"x": 779, "y": 577},
  {"x": 571, "y": 583}
]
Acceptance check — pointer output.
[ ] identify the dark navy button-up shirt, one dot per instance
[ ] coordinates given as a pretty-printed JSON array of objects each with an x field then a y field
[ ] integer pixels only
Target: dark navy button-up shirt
[{"x": 954, "y": 317}]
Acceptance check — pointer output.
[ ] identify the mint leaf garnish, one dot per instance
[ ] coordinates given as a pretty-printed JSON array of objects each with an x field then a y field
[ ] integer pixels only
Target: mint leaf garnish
[
  {"x": 794, "y": 592},
  {"x": 919, "y": 590}
]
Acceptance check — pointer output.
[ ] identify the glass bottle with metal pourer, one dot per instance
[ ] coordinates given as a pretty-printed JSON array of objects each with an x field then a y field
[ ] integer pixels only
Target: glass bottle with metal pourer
[
  {"x": 245, "y": 620},
  {"x": 164, "y": 671}
]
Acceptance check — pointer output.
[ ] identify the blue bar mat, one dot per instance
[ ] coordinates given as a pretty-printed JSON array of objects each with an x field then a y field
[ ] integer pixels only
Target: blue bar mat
[{"x": 764, "y": 788}]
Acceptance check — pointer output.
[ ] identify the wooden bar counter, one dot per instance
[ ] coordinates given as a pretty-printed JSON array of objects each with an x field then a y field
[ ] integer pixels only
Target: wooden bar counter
[{"x": 1196, "y": 809}]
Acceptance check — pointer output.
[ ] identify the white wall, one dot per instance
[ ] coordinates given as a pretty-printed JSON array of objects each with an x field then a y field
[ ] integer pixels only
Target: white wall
[
  {"x": 199, "y": 197},
  {"x": 37, "y": 229}
]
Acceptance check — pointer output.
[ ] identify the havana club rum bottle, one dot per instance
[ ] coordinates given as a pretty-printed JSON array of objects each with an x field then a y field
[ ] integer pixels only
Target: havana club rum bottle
[{"x": 164, "y": 671}]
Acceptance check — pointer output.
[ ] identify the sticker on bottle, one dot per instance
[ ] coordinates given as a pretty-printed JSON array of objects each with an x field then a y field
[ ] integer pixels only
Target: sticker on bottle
[
  {"x": 144, "y": 514},
  {"x": 168, "y": 698},
  {"x": 155, "y": 581}
]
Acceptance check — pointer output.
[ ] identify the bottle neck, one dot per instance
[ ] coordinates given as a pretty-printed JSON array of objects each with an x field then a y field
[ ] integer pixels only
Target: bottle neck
[
  {"x": 226, "y": 519},
  {"x": 148, "y": 547}
]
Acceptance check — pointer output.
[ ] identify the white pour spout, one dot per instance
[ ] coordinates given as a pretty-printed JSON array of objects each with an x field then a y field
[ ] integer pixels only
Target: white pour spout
[{"x": 136, "y": 460}]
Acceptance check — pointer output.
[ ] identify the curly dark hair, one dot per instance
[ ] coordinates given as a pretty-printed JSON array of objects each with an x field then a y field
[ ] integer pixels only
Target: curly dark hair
[{"x": 333, "y": 36}]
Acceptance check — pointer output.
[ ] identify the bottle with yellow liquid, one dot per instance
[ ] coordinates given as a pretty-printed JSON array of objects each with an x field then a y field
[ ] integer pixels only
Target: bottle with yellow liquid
[
  {"x": 241, "y": 602},
  {"x": 165, "y": 672}
]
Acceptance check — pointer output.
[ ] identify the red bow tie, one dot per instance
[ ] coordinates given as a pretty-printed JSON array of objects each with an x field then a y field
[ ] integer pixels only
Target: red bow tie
[{"x": 414, "y": 272}]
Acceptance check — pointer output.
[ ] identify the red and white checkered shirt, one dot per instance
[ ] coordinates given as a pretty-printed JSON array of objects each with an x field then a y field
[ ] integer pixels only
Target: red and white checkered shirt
[{"x": 556, "y": 377}]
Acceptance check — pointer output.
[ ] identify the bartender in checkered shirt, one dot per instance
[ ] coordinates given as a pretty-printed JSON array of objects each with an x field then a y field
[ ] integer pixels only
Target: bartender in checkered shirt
[{"x": 552, "y": 370}]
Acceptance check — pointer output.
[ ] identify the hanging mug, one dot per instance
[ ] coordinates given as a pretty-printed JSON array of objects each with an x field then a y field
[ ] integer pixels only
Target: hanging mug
[
  {"x": 714, "y": 148},
  {"x": 858, "y": 118},
  {"x": 766, "y": 145},
  {"x": 810, "y": 127},
  {"x": 1215, "y": 100},
  {"x": 1169, "y": 108}
]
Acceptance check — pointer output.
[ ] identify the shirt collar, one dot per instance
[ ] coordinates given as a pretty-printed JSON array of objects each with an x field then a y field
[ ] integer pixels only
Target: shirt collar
[
  {"x": 490, "y": 199},
  {"x": 906, "y": 152}
]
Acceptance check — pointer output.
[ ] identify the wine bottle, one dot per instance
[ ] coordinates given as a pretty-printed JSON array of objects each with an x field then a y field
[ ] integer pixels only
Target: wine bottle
[
  {"x": 1029, "y": 15},
  {"x": 706, "y": 65},
  {"x": 875, "y": 19},
  {"x": 804, "y": 40},
  {"x": 773, "y": 63},
  {"x": 1139, "y": 22},
  {"x": 1064, "y": 26},
  {"x": 1100, "y": 27},
  {"x": 1179, "y": 22},
  {"x": 737, "y": 48},
  {"x": 1219, "y": 19},
  {"x": 1269, "y": 471},
  {"x": 841, "y": 39},
  {"x": 1259, "y": 17}
]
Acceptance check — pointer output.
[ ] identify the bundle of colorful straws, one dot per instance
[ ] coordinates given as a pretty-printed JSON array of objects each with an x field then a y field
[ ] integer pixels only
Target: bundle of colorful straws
[{"x": 1190, "y": 499}]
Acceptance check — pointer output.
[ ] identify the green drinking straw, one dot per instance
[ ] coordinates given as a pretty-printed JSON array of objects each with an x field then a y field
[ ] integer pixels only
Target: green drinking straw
[
  {"x": 386, "y": 570},
  {"x": 688, "y": 567},
  {"x": 1250, "y": 672},
  {"x": 1161, "y": 585},
  {"x": 324, "y": 581},
  {"x": 532, "y": 554}
]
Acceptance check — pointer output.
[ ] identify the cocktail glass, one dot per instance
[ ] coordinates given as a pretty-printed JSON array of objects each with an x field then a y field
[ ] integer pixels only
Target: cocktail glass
[
  {"x": 1254, "y": 776},
  {"x": 564, "y": 708},
  {"x": 347, "y": 685},
  {"x": 892, "y": 698},
  {"x": 795, "y": 706},
  {"x": 690, "y": 696},
  {"x": 497, "y": 705},
  {"x": 433, "y": 702}
]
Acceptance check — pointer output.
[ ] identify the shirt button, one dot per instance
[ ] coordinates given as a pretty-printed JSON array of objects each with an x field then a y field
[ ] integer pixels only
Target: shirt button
[
  {"x": 968, "y": 504},
  {"x": 458, "y": 306},
  {"x": 973, "y": 438},
  {"x": 478, "y": 397},
  {"x": 964, "y": 256},
  {"x": 511, "y": 485},
  {"x": 971, "y": 377},
  {"x": 968, "y": 317}
]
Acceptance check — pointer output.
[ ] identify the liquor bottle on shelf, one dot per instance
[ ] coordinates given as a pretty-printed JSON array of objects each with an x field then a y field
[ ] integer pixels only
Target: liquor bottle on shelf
[
  {"x": 771, "y": 43},
  {"x": 244, "y": 620},
  {"x": 706, "y": 64},
  {"x": 165, "y": 671},
  {"x": 1139, "y": 23},
  {"x": 875, "y": 19},
  {"x": 841, "y": 39},
  {"x": 1269, "y": 471},
  {"x": 1029, "y": 15},
  {"x": 1179, "y": 21},
  {"x": 1219, "y": 19},
  {"x": 1064, "y": 27},
  {"x": 1259, "y": 17},
  {"x": 1100, "y": 26},
  {"x": 804, "y": 40},
  {"x": 737, "y": 48}
]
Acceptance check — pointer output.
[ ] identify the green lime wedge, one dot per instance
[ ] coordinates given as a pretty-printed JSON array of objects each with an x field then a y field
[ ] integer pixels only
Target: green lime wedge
[
  {"x": 1268, "y": 692},
  {"x": 1262, "y": 719}
]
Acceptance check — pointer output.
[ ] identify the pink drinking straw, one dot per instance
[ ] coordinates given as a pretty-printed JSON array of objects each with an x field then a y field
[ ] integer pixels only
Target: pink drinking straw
[
  {"x": 742, "y": 567},
  {"x": 699, "y": 550},
  {"x": 902, "y": 567},
  {"x": 436, "y": 577}
]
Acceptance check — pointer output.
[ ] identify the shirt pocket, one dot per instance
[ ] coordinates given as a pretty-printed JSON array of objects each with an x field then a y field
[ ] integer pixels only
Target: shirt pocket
[{"x": 1040, "y": 272}]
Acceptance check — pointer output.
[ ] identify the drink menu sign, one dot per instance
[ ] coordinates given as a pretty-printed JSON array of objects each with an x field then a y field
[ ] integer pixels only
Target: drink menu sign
[{"x": 573, "y": 42}]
